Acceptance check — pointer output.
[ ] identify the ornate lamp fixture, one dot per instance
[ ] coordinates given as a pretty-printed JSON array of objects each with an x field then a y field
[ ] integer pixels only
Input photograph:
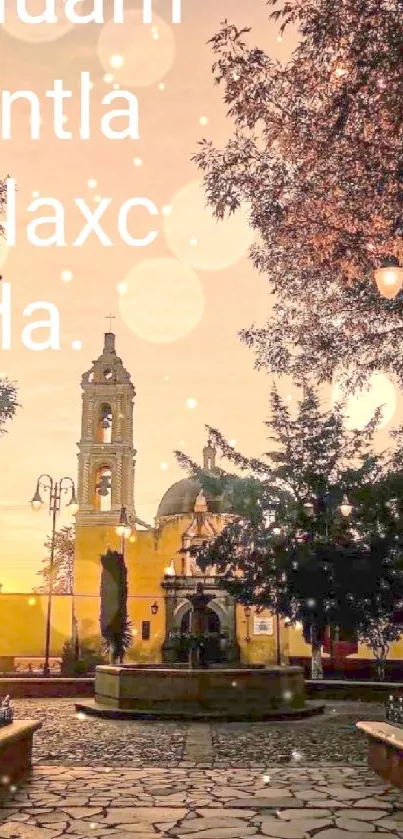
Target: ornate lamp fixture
[{"x": 389, "y": 278}]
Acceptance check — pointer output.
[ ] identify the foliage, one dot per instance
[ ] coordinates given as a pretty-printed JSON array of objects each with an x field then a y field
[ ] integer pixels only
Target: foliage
[
  {"x": 82, "y": 665},
  {"x": 8, "y": 396},
  {"x": 316, "y": 156},
  {"x": 311, "y": 564},
  {"x": 63, "y": 563},
  {"x": 114, "y": 622},
  {"x": 378, "y": 634}
]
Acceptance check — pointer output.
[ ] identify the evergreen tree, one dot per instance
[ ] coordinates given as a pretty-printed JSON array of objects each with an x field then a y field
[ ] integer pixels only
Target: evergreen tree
[
  {"x": 63, "y": 563},
  {"x": 316, "y": 154},
  {"x": 289, "y": 547},
  {"x": 114, "y": 622}
]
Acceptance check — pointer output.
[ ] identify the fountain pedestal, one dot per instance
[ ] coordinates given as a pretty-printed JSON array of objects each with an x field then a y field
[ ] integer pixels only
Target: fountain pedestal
[{"x": 139, "y": 691}]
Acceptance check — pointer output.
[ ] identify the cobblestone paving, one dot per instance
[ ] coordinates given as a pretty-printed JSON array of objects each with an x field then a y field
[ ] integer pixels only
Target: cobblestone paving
[
  {"x": 67, "y": 739},
  {"x": 325, "y": 803}
]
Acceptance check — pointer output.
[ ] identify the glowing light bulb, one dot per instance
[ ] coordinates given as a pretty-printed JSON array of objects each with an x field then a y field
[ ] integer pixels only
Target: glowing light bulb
[
  {"x": 92, "y": 183},
  {"x": 66, "y": 276},
  {"x": 108, "y": 78},
  {"x": 167, "y": 210},
  {"x": 161, "y": 86},
  {"x": 116, "y": 61},
  {"x": 203, "y": 120},
  {"x": 76, "y": 345},
  {"x": 164, "y": 466},
  {"x": 193, "y": 242},
  {"x": 137, "y": 161},
  {"x": 191, "y": 402},
  {"x": 122, "y": 288}
]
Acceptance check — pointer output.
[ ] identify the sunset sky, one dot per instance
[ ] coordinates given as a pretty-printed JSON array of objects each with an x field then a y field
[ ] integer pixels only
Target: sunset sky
[{"x": 178, "y": 303}]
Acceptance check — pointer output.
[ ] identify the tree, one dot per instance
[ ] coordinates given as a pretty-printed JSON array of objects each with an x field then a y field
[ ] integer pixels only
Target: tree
[
  {"x": 63, "y": 567},
  {"x": 316, "y": 155},
  {"x": 8, "y": 396},
  {"x": 114, "y": 622},
  {"x": 378, "y": 634},
  {"x": 300, "y": 564}
]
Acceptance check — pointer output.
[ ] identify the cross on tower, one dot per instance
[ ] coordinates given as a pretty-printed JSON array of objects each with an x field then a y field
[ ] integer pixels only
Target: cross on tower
[{"x": 110, "y": 318}]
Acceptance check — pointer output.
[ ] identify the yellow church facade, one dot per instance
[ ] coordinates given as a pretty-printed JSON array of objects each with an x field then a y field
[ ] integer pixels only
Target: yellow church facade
[{"x": 162, "y": 574}]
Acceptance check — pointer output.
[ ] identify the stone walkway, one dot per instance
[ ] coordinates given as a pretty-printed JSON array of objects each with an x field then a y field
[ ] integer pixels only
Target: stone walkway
[
  {"x": 71, "y": 739},
  {"x": 137, "y": 780},
  {"x": 197, "y": 803}
]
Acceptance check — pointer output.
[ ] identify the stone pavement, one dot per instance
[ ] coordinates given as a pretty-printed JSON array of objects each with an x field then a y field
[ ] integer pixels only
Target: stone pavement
[
  {"x": 196, "y": 803},
  {"x": 67, "y": 738},
  {"x": 142, "y": 780}
]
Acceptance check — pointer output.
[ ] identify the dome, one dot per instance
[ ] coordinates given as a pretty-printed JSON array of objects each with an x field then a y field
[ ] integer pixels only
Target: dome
[{"x": 180, "y": 499}]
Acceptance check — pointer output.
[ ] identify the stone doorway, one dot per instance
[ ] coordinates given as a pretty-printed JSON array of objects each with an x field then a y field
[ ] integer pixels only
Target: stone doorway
[
  {"x": 214, "y": 654},
  {"x": 223, "y": 647}
]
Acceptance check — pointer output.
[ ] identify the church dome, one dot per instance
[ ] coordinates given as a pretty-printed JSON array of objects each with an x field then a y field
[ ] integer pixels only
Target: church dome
[{"x": 181, "y": 497}]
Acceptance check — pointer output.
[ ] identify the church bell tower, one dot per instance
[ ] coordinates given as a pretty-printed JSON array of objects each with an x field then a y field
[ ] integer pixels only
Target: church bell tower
[{"x": 106, "y": 457}]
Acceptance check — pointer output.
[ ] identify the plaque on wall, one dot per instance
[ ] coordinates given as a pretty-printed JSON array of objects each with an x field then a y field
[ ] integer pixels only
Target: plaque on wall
[{"x": 263, "y": 626}]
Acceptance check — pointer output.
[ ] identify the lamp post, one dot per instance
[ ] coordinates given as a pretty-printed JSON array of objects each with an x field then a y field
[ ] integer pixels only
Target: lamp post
[
  {"x": 123, "y": 529},
  {"x": 55, "y": 490},
  {"x": 247, "y": 612}
]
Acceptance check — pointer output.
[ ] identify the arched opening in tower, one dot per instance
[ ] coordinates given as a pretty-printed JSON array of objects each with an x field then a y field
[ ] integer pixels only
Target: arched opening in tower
[
  {"x": 103, "y": 490},
  {"x": 104, "y": 431}
]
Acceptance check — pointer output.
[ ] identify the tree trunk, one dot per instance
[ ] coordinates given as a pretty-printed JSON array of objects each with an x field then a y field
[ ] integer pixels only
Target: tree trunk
[
  {"x": 316, "y": 661},
  {"x": 380, "y": 669}
]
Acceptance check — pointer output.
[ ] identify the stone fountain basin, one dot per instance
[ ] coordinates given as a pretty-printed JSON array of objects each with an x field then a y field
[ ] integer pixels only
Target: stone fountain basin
[{"x": 240, "y": 693}]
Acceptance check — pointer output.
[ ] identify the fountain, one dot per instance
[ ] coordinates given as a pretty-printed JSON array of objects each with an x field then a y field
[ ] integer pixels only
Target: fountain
[{"x": 198, "y": 691}]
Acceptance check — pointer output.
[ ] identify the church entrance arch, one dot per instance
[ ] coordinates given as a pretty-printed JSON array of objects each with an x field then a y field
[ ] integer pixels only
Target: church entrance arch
[{"x": 213, "y": 644}]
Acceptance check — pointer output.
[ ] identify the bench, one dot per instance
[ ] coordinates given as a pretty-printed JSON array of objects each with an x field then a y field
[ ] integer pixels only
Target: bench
[
  {"x": 385, "y": 750},
  {"x": 16, "y": 749}
]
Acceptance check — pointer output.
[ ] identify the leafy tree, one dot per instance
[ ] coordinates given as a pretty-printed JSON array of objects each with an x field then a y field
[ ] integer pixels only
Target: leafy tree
[
  {"x": 63, "y": 563},
  {"x": 114, "y": 621},
  {"x": 378, "y": 634},
  {"x": 316, "y": 155},
  {"x": 301, "y": 563},
  {"x": 8, "y": 396}
]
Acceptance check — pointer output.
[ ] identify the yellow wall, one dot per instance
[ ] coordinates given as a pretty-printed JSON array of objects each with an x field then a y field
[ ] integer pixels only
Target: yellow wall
[
  {"x": 23, "y": 616},
  {"x": 23, "y": 624}
]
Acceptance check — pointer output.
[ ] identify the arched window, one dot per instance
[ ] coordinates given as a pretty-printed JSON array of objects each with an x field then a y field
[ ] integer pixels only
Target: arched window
[
  {"x": 103, "y": 490},
  {"x": 104, "y": 434}
]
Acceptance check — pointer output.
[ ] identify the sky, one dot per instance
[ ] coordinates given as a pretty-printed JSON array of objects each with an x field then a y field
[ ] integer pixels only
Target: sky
[{"x": 178, "y": 303}]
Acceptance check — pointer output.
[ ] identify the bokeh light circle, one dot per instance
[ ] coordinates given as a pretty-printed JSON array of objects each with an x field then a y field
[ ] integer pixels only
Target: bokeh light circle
[
  {"x": 161, "y": 300},
  {"x": 37, "y": 33},
  {"x": 142, "y": 59},
  {"x": 361, "y": 405},
  {"x": 197, "y": 237}
]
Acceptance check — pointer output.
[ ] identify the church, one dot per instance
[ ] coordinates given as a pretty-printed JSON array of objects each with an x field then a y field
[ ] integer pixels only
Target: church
[{"x": 162, "y": 574}]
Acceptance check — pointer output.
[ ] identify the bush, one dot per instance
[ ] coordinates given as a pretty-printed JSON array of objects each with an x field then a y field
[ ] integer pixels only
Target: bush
[{"x": 82, "y": 666}]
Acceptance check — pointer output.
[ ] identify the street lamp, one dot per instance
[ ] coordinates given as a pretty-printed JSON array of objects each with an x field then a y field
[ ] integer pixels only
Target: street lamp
[
  {"x": 389, "y": 278},
  {"x": 154, "y": 609},
  {"x": 123, "y": 529},
  {"x": 55, "y": 490},
  {"x": 248, "y": 612},
  {"x": 345, "y": 507}
]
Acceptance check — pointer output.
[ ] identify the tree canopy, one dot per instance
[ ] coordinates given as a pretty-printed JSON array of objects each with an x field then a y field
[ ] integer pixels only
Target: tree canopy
[{"x": 316, "y": 156}]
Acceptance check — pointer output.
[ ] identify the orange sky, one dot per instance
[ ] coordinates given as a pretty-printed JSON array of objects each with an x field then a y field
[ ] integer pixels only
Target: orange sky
[{"x": 176, "y": 322}]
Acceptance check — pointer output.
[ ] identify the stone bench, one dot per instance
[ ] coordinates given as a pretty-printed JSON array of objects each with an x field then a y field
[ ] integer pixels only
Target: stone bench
[
  {"x": 385, "y": 750},
  {"x": 16, "y": 748}
]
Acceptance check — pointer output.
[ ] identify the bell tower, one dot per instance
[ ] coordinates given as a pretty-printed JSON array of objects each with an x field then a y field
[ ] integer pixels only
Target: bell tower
[{"x": 106, "y": 457}]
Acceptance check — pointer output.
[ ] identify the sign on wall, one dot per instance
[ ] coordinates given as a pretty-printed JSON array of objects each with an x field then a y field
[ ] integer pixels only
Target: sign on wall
[{"x": 263, "y": 626}]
